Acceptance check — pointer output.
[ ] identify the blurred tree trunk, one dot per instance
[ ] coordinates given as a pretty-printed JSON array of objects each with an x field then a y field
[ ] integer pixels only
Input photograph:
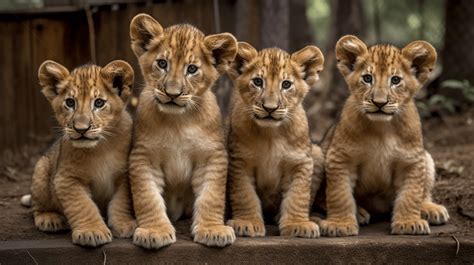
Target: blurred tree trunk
[
  {"x": 301, "y": 33},
  {"x": 458, "y": 58},
  {"x": 247, "y": 27},
  {"x": 347, "y": 17},
  {"x": 275, "y": 24}
]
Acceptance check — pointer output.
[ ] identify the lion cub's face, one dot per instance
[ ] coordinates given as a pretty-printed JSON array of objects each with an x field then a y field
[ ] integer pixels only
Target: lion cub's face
[
  {"x": 89, "y": 101},
  {"x": 272, "y": 83},
  {"x": 383, "y": 78},
  {"x": 179, "y": 63}
]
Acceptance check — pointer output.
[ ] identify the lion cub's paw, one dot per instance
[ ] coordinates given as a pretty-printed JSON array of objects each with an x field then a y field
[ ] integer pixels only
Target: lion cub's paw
[
  {"x": 154, "y": 238},
  {"x": 363, "y": 217},
  {"x": 92, "y": 237},
  {"x": 124, "y": 229},
  {"x": 302, "y": 229},
  {"x": 435, "y": 214},
  {"x": 247, "y": 228},
  {"x": 410, "y": 227},
  {"x": 333, "y": 228},
  {"x": 214, "y": 236},
  {"x": 50, "y": 222}
]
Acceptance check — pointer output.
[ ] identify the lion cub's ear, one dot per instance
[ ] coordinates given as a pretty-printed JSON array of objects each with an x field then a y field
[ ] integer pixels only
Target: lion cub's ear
[
  {"x": 118, "y": 75},
  {"x": 245, "y": 54},
  {"x": 143, "y": 29},
  {"x": 312, "y": 60},
  {"x": 223, "y": 48},
  {"x": 422, "y": 58},
  {"x": 50, "y": 73},
  {"x": 348, "y": 49}
]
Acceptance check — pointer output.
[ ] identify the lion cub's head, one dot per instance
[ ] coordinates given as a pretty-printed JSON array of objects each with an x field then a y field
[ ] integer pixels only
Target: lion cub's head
[
  {"x": 179, "y": 63},
  {"x": 272, "y": 83},
  {"x": 383, "y": 78},
  {"x": 88, "y": 101}
]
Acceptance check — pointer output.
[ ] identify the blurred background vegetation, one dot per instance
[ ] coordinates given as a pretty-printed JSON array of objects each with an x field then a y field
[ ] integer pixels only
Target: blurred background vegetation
[
  {"x": 396, "y": 22},
  {"x": 75, "y": 32}
]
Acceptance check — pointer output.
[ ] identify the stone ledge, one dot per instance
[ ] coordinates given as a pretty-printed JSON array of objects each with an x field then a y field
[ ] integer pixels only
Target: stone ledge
[{"x": 374, "y": 245}]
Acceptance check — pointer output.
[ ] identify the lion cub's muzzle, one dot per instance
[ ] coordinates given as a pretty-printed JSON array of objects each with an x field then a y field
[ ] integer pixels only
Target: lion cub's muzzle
[
  {"x": 381, "y": 110},
  {"x": 269, "y": 114},
  {"x": 83, "y": 136},
  {"x": 171, "y": 99}
]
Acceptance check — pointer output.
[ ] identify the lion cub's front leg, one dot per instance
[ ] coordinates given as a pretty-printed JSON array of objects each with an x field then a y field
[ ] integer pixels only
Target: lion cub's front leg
[
  {"x": 247, "y": 219},
  {"x": 154, "y": 229},
  {"x": 406, "y": 219},
  {"x": 341, "y": 206},
  {"x": 294, "y": 211},
  {"x": 120, "y": 216},
  {"x": 46, "y": 208},
  {"x": 209, "y": 185},
  {"x": 88, "y": 227},
  {"x": 435, "y": 214}
]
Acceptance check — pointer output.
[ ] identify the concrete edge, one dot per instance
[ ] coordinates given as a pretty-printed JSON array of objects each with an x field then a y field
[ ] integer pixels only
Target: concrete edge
[{"x": 275, "y": 250}]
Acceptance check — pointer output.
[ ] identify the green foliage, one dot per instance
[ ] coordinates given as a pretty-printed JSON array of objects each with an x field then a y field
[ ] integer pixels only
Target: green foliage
[
  {"x": 464, "y": 86},
  {"x": 436, "y": 104},
  {"x": 318, "y": 13},
  {"x": 399, "y": 21},
  {"x": 442, "y": 104}
]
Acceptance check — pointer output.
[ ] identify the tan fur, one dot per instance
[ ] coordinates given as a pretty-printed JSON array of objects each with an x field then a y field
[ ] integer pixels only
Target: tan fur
[
  {"x": 85, "y": 173},
  {"x": 178, "y": 164},
  {"x": 375, "y": 155},
  {"x": 271, "y": 154}
]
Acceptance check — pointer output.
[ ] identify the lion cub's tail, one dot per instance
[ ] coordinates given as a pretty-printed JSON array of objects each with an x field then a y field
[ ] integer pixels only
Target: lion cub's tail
[{"x": 26, "y": 200}]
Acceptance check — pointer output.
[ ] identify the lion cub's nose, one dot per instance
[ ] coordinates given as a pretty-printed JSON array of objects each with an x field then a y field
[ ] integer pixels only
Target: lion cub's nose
[
  {"x": 379, "y": 103},
  {"x": 270, "y": 109},
  {"x": 81, "y": 128},
  {"x": 173, "y": 94}
]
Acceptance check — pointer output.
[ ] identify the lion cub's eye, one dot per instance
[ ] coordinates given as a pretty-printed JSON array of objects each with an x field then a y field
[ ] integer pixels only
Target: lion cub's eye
[
  {"x": 99, "y": 103},
  {"x": 162, "y": 63},
  {"x": 286, "y": 84},
  {"x": 395, "y": 80},
  {"x": 70, "y": 103},
  {"x": 192, "y": 69},
  {"x": 367, "y": 79},
  {"x": 257, "y": 81}
]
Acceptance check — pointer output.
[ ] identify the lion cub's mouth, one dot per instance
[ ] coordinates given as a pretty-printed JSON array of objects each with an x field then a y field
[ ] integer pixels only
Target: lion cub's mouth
[
  {"x": 85, "y": 142},
  {"x": 170, "y": 103},
  {"x": 84, "y": 138},
  {"x": 380, "y": 115},
  {"x": 268, "y": 118},
  {"x": 380, "y": 112}
]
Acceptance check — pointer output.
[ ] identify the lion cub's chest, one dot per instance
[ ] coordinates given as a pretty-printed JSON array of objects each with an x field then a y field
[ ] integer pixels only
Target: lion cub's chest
[
  {"x": 375, "y": 166},
  {"x": 109, "y": 166},
  {"x": 175, "y": 152},
  {"x": 271, "y": 163}
]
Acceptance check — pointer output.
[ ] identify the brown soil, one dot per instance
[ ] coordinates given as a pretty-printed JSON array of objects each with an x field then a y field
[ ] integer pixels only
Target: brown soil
[
  {"x": 449, "y": 139},
  {"x": 451, "y": 142}
]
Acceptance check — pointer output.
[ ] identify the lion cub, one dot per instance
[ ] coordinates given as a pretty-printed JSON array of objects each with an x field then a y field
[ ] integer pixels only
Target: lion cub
[
  {"x": 178, "y": 163},
  {"x": 375, "y": 154},
  {"x": 271, "y": 163},
  {"x": 85, "y": 172}
]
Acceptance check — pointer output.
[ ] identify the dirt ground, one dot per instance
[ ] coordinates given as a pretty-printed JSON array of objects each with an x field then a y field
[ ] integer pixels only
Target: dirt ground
[
  {"x": 451, "y": 142},
  {"x": 449, "y": 139}
]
